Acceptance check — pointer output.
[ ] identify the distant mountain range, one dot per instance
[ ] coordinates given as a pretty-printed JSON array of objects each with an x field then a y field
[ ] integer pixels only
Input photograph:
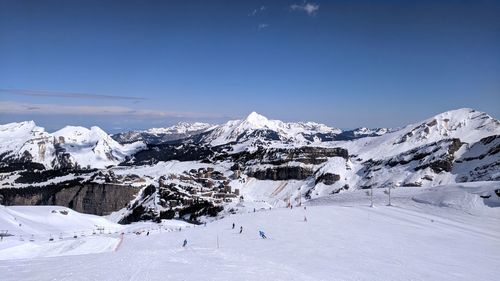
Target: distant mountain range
[
  {"x": 186, "y": 165},
  {"x": 301, "y": 132}
]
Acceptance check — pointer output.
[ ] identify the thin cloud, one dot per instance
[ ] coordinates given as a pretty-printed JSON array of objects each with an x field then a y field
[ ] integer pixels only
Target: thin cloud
[
  {"x": 309, "y": 8},
  {"x": 262, "y": 26},
  {"x": 42, "y": 93},
  {"x": 258, "y": 10},
  {"x": 90, "y": 110}
]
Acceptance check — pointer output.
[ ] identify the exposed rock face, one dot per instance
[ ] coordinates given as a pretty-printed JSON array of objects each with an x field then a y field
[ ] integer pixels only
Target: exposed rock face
[
  {"x": 286, "y": 164},
  {"x": 438, "y": 156},
  {"x": 327, "y": 178},
  {"x": 171, "y": 151},
  {"x": 446, "y": 161},
  {"x": 90, "y": 198},
  {"x": 281, "y": 173},
  {"x": 481, "y": 162},
  {"x": 279, "y": 156},
  {"x": 414, "y": 166}
]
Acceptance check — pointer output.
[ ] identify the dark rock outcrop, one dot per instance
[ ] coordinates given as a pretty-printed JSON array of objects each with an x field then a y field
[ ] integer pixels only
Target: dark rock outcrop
[
  {"x": 327, "y": 178},
  {"x": 279, "y": 156},
  {"x": 281, "y": 173},
  {"x": 89, "y": 198},
  {"x": 170, "y": 151}
]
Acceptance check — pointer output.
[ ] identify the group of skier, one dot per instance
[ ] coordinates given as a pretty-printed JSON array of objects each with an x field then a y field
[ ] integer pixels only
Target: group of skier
[
  {"x": 241, "y": 228},
  {"x": 261, "y": 234}
]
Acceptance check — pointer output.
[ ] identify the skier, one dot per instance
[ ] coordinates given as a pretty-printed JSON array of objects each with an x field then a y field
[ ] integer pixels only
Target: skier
[
  {"x": 147, "y": 234},
  {"x": 185, "y": 243},
  {"x": 262, "y": 234},
  {"x": 305, "y": 219},
  {"x": 233, "y": 225},
  {"x": 241, "y": 229}
]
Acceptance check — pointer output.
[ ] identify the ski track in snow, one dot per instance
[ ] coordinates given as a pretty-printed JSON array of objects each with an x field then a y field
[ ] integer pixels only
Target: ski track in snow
[{"x": 343, "y": 239}]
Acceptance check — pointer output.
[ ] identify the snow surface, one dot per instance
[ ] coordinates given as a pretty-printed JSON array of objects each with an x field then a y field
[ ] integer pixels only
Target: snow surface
[
  {"x": 419, "y": 238},
  {"x": 32, "y": 228}
]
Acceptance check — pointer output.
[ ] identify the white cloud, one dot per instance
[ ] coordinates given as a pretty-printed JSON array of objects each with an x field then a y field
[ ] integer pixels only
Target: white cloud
[
  {"x": 91, "y": 110},
  {"x": 258, "y": 10},
  {"x": 309, "y": 8},
  {"x": 262, "y": 26},
  {"x": 43, "y": 93}
]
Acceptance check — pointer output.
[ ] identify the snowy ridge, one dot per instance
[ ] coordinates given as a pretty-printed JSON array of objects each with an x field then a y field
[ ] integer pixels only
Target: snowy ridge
[
  {"x": 94, "y": 147},
  {"x": 179, "y": 131},
  {"x": 181, "y": 128},
  {"x": 256, "y": 125},
  {"x": 370, "y": 132},
  {"x": 69, "y": 147},
  {"x": 465, "y": 124}
]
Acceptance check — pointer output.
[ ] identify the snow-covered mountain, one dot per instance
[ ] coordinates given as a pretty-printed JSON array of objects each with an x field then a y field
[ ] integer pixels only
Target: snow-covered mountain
[
  {"x": 256, "y": 158},
  {"x": 25, "y": 141},
  {"x": 430, "y": 152},
  {"x": 179, "y": 131},
  {"x": 467, "y": 125},
  {"x": 257, "y": 128},
  {"x": 362, "y": 133},
  {"x": 69, "y": 147}
]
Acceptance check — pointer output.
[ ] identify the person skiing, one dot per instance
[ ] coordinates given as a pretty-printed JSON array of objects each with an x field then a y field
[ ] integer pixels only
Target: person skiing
[
  {"x": 233, "y": 225},
  {"x": 147, "y": 234},
  {"x": 241, "y": 229},
  {"x": 305, "y": 219},
  {"x": 262, "y": 234},
  {"x": 185, "y": 243}
]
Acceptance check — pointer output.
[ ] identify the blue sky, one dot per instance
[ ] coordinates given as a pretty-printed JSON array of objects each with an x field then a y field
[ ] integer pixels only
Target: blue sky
[{"x": 139, "y": 64}]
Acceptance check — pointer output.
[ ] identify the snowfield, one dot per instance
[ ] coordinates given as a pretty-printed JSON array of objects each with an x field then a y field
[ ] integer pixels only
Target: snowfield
[{"x": 447, "y": 232}]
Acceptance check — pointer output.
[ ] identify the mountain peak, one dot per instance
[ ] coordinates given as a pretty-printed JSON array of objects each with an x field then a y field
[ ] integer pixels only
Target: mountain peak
[{"x": 256, "y": 118}]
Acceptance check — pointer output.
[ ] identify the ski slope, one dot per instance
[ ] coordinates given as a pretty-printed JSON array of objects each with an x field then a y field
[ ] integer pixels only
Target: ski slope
[{"x": 439, "y": 233}]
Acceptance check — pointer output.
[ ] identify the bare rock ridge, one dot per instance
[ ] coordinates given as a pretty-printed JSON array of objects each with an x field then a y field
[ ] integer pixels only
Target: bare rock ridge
[{"x": 90, "y": 198}]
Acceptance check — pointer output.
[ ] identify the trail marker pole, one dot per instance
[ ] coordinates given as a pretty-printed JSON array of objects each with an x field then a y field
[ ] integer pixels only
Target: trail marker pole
[
  {"x": 389, "y": 197},
  {"x": 388, "y": 192},
  {"x": 371, "y": 196}
]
